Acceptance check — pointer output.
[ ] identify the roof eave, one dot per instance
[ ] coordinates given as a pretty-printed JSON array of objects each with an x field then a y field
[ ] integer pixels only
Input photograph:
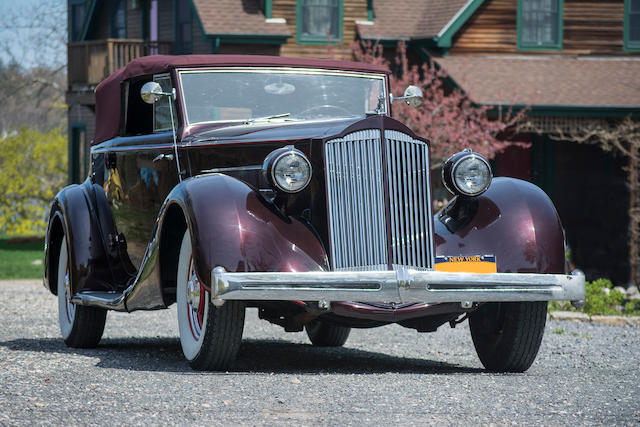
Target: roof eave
[
  {"x": 445, "y": 36},
  {"x": 611, "y": 111}
]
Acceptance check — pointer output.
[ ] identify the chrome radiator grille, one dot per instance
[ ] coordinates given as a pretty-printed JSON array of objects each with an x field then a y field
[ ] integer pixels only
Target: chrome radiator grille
[
  {"x": 357, "y": 207},
  {"x": 356, "y": 201},
  {"x": 410, "y": 209}
]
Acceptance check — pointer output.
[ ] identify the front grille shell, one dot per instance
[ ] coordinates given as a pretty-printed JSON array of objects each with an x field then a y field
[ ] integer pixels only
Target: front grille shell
[{"x": 379, "y": 208}]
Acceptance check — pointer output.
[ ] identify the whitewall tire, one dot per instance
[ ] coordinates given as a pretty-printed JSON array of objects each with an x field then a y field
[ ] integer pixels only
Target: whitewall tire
[
  {"x": 210, "y": 336},
  {"x": 80, "y": 326}
]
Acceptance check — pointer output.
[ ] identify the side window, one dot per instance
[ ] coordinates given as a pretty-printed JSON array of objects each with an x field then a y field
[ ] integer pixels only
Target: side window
[
  {"x": 161, "y": 114},
  {"x": 632, "y": 25},
  {"x": 184, "y": 18},
  {"x": 319, "y": 21},
  {"x": 118, "y": 19},
  {"x": 540, "y": 24}
]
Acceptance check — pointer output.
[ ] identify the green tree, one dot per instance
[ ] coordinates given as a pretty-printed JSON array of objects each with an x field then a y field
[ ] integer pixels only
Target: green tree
[{"x": 33, "y": 167}]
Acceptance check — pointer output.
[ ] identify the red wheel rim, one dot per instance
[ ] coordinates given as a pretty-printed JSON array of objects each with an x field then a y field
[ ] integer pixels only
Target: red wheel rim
[{"x": 196, "y": 301}]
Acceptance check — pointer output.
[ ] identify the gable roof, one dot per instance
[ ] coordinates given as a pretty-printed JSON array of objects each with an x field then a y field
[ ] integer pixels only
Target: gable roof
[
  {"x": 233, "y": 17},
  {"x": 596, "y": 82},
  {"x": 416, "y": 19}
]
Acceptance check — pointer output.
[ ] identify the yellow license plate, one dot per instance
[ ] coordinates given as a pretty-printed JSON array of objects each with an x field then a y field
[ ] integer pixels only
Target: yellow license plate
[{"x": 466, "y": 264}]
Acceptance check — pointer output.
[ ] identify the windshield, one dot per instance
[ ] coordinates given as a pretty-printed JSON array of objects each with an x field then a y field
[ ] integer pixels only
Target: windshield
[{"x": 278, "y": 94}]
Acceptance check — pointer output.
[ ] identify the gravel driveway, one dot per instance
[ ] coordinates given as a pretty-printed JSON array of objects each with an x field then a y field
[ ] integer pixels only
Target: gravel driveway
[{"x": 585, "y": 374}]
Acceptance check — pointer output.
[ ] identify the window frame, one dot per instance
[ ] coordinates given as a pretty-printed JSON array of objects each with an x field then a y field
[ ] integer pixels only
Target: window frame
[
  {"x": 548, "y": 46},
  {"x": 78, "y": 152},
  {"x": 113, "y": 8},
  {"x": 318, "y": 40},
  {"x": 157, "y": 77},
  {"x": 178, "y": 47},
  {"x": 628, "y": 45}
]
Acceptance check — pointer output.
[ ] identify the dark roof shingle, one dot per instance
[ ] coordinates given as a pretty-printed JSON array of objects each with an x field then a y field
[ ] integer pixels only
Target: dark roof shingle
[
  {"x": 409, "y": 19},
  {"x": 235, "y": 17},
  {"x": 546, "y": 80}
]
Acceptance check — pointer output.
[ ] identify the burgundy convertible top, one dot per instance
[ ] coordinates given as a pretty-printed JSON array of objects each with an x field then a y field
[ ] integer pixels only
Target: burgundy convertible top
[{"x": 108, "y": 92}]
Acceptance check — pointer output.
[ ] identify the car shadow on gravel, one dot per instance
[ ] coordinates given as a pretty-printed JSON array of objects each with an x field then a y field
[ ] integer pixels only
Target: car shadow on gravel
[{"x": 267, "y": 356}]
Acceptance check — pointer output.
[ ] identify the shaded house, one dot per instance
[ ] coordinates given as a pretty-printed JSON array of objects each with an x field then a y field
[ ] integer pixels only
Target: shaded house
[
  {"x": 104, "y": 35},
  {"x": 571, "y": 61}
]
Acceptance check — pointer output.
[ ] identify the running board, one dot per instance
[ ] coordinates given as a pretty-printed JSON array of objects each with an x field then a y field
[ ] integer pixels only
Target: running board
[{"x": 107, "y": 300}]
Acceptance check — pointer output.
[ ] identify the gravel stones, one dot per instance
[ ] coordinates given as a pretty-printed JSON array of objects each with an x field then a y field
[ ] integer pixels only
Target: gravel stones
[{"x": 585, "y": 373}]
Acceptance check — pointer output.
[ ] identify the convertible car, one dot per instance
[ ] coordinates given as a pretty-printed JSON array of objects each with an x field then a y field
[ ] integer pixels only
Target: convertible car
[{"x": 224, "y": 182}]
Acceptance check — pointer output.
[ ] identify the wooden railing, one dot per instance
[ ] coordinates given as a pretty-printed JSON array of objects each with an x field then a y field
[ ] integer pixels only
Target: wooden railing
[{"x": 91, "y": 61}]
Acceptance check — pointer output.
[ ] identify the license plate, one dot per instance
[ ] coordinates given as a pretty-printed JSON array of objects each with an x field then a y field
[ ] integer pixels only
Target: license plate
[{"x": 466, "y": 264}]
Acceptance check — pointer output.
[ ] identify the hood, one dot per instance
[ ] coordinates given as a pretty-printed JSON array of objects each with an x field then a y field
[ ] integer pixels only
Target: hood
[{"x": 238, "y": 133}]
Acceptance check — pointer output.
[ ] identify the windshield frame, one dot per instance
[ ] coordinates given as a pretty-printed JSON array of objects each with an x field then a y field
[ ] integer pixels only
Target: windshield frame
[{"x": 266, "y": 70}]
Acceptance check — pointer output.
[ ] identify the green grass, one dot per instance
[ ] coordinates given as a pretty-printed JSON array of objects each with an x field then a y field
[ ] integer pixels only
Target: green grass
[
  {"x": 599, "y": 302},
  {"x": 16, "y": 259}
]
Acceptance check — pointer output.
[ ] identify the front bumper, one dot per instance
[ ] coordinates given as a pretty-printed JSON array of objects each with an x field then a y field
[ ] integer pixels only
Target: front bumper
[{"x": 400, "y": 286}]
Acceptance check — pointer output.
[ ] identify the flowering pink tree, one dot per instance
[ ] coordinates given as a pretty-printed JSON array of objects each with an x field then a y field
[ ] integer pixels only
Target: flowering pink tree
[{"x": 447, "y": 117}]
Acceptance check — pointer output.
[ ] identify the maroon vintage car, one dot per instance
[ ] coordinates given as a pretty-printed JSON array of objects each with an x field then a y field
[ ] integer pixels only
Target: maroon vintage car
[{"x": 224, "y": 182}]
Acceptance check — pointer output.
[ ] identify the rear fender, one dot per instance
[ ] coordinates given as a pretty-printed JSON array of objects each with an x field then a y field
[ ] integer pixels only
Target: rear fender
[
  {"x": 513, "y": 220},
  {"x": 73, "y": 215},
  {"x": 233, "y": 227}
]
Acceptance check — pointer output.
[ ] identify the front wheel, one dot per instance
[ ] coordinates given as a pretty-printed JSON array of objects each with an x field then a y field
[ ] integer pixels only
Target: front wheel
[
  {"x": 507, "y": 335},
  {"x": 324, "y": 334},
  {"x": 210, "y": 336},
  {"x": 81, "y": 326}
]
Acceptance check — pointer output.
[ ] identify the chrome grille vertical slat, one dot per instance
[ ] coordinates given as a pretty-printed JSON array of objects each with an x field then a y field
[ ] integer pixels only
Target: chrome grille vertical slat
[
  {"x": 356, "y": 201},
  {"x": 412, "y": 194}
]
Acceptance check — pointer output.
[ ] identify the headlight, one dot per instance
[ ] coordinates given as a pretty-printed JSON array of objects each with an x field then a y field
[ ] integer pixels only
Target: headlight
[
  {"x": 288, "y": 169},
  {"x": 466, "y": 173}
]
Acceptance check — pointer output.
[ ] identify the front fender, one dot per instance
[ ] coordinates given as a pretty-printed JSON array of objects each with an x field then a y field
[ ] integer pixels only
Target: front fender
[
  {"x": 513, "y": 220},
  {"x": 233, "y": 227}
]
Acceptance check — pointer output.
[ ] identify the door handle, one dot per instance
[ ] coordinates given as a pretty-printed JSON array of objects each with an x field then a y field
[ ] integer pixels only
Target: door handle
[{"x": 163, "y": 157}]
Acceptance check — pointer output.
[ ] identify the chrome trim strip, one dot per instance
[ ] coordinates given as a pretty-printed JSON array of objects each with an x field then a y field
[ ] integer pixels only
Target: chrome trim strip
[
  {"x": 107, "y": 300},
  {"x": 233, "y": 169},
  {"x": 401, "y": 286}
]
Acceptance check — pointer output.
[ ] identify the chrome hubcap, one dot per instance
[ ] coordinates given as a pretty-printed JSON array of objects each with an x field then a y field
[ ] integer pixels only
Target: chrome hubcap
[
  {"x": 193, "y": 292},
  {"x": 195, "y": 304}
]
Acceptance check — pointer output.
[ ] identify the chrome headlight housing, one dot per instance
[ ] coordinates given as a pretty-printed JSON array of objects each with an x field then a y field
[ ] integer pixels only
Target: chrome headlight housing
[
  {"x": 466, "y": 173},
  {"x": 288, "y": 169}
]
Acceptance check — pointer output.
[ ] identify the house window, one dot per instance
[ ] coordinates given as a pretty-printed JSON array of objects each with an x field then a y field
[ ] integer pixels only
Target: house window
[
  {"x": 632, "y": 25},
  {"x": 119, "y": 19},
  {"x": 540, "y": 24},
  {"x": 76, "y": 11},
  {"x": 319, "y": 21},
  {"x": 79, "y": 161},
  {"x": 184, "y": 18}
]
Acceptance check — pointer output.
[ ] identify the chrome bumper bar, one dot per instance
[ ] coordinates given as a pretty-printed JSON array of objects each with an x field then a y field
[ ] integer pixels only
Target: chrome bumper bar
[{"x": 401, "y": 286}]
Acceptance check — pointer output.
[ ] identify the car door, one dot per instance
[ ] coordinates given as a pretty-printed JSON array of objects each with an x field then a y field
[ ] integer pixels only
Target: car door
[{"x": 140, "y": 169}]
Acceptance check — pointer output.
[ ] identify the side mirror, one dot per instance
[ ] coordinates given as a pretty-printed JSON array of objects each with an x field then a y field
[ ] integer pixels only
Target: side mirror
[
  {"x": 412, "y": 96},
  {"x": 151, "y": 92}
]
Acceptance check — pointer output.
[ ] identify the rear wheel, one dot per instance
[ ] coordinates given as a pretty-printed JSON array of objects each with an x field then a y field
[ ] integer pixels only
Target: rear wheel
[
  {"x": 210, "y": 336},
  {"x": 324, "y": 334},
  {"x": 507, "y": 336},
  {"x": 81, "y": 326}
]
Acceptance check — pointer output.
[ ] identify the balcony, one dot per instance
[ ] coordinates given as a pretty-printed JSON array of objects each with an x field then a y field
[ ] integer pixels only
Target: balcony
[{"x": 92, "y": 61}]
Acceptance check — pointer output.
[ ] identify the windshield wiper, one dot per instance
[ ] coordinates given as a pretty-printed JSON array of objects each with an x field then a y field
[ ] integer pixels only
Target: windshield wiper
[{"x": 267, "y": 118}]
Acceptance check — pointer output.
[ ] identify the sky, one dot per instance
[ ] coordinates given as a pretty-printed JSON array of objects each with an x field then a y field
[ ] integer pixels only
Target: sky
[{"x": 29, "y": 38}]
